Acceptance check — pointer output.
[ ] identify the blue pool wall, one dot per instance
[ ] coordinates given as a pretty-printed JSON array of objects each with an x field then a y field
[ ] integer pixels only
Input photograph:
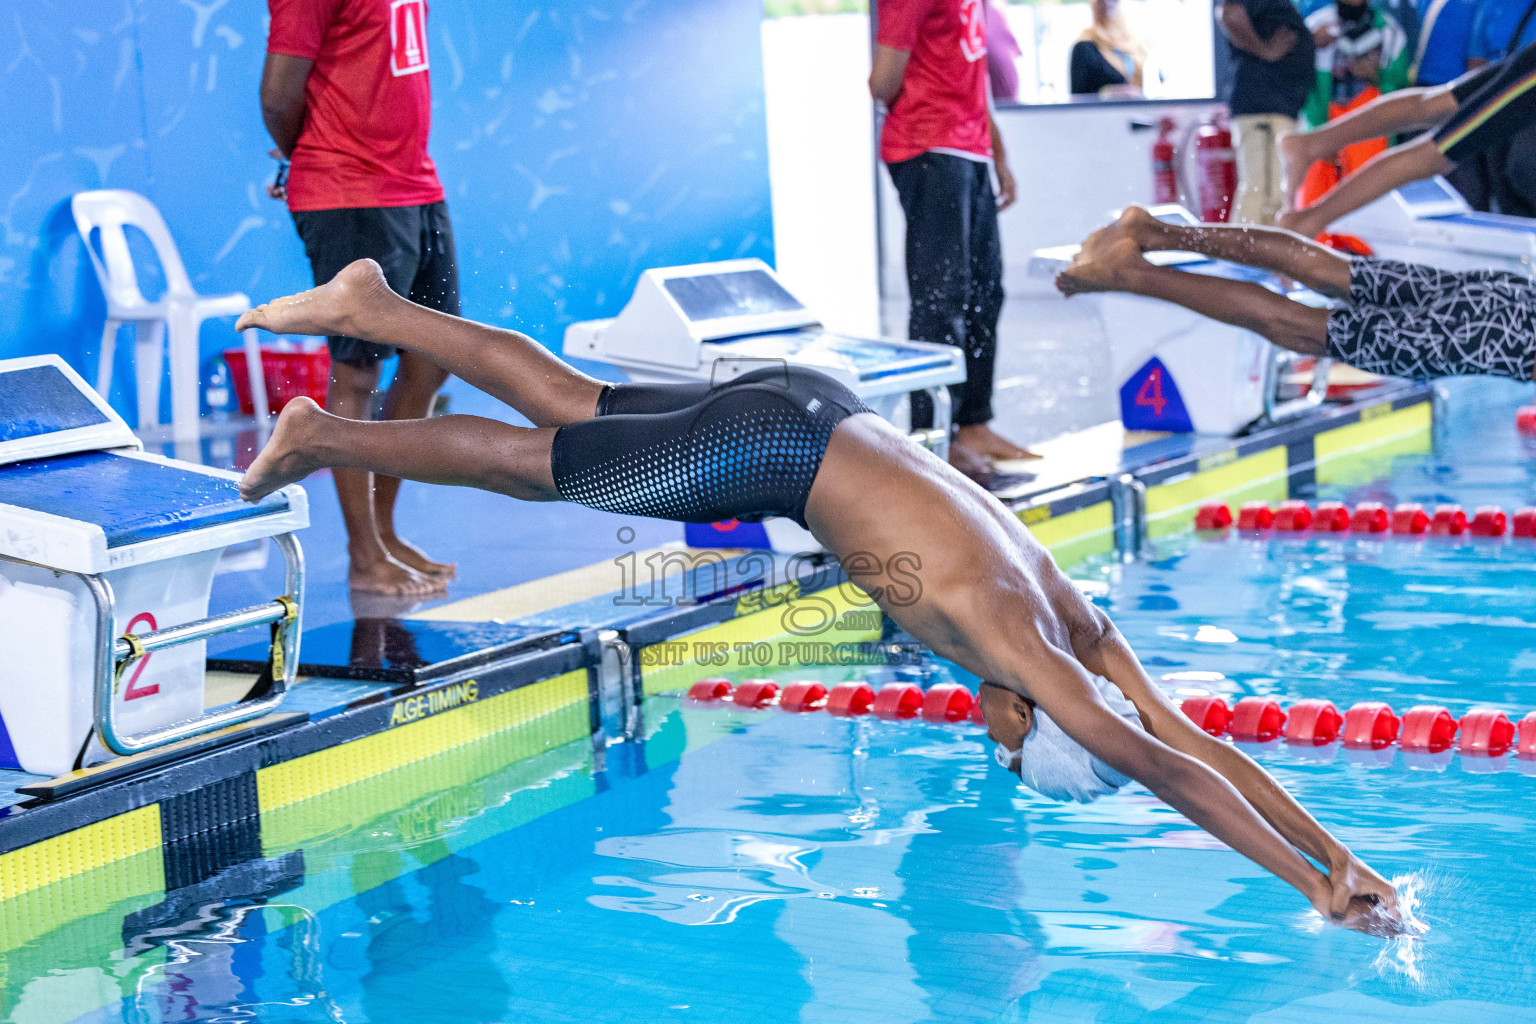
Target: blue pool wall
[{"x": 578, "y": 145}]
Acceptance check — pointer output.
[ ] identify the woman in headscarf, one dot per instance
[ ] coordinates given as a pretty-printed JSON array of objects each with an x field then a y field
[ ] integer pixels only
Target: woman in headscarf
[{"x": 1107, "y": 59}]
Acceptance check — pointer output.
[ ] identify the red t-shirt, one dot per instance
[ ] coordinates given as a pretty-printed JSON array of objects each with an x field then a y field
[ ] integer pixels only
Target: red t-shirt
[
  {"x": 368, "y": 102},
  {"x": 943, "y": 100}
]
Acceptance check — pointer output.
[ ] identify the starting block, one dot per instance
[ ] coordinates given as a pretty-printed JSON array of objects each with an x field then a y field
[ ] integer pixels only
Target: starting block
[{"x": 107, "y": 557}]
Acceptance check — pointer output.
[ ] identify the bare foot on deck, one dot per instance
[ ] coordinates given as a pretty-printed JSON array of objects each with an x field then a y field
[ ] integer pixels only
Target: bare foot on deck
[
  {"x": 286, "y": 459},
  {"x": 387, "y": 576},
  {"x": 981, "y": 438},
  {"x": 412, "y": 557},
  {"x": 1108, "y": 259},
  {"x": 332, "y": 308}
]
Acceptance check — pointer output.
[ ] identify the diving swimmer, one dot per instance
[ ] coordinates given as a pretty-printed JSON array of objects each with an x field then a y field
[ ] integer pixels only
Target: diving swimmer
[
  {"x": 786, "y": 441},
  {"x": 1399, "y": 319}
]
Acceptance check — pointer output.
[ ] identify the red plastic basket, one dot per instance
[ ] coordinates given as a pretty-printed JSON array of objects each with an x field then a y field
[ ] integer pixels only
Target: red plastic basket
[{"x": 289, "y": 373}]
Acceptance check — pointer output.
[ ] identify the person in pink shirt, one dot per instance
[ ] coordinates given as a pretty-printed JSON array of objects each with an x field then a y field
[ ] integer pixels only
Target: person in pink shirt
[{"x": 942, "y": 147}]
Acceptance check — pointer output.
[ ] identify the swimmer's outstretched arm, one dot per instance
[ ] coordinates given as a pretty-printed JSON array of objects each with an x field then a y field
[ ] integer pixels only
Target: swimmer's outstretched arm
[
  {"x": 1191, "y": 784},
  {"x": 1060, "y": 686},
  {"x": 1111, "y": 260},
  {"x": 1354, "y": 886}
]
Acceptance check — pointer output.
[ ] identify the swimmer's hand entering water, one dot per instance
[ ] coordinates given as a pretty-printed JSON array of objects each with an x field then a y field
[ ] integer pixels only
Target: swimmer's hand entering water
[{"x": 1357, "y": 897}]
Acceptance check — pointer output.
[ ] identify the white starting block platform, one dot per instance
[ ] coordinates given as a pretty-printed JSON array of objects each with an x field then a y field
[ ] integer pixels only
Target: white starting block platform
[
  {"x": 1429, "y": 222},
  {"x": 716, "y": 321},
  {"x": 107, "y": 557},
  {"x": 1180, "y": 372}
]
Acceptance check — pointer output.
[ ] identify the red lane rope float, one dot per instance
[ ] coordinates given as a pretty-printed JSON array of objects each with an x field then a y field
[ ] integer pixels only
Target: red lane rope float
[
  {"x": 803, "y": 696},
  {"x": 1255, "y": 515},
  {"x": 1370, "y": 725},
  {"x": 1213, "y": 517},
  {"x": 1211, "y": 714},
  {"x": 849, "y": 699},
  {"x": 1257, "y": 719},
  {"x": 1488, "y": 521},
  {"x": 1525, "y": 419},
  {"x": 1448, "y": 521},
  {"x": 1314, "y": 722},
  {"x": 1369, "y": 517},
  {"x": 898, "y": 700},
  {"x": 1410, "y": 519},
  {"x": 1293, "y": 517},
  {"x": 755, "y": 693},
  {"x": 947, "y": 702},
  {"x": 1428, "y": 727},
  {"x": 710, "y": 689},
  {"x": 1486, "y": 731},
  {"x": 1330, "y": 517}
]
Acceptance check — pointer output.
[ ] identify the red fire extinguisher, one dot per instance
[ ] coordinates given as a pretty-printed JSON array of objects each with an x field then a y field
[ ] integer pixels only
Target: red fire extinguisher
[
  {"x": 1165, "y": 175},
  {"x": 1216, "y": 167}
]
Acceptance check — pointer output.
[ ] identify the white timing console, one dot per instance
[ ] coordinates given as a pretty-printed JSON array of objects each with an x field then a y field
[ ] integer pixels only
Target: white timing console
[{"x": 716, "y": 321}]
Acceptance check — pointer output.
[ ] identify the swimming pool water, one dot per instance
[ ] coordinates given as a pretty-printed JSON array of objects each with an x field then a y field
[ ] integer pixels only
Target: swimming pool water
[{"x": 762, "y": 866}]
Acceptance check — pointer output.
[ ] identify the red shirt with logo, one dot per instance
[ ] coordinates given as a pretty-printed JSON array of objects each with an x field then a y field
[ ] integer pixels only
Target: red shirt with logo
[
  {"x": 943, "y": 101},
  {"x": 368, "y": 102}
]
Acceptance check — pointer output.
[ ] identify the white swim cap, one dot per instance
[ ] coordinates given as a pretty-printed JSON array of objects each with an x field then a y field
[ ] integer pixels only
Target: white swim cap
[{"x": 1055, "y": 765}]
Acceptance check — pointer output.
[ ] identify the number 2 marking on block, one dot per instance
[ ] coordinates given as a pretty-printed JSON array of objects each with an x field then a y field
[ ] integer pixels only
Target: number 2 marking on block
[{"x": 134, "y": 690}]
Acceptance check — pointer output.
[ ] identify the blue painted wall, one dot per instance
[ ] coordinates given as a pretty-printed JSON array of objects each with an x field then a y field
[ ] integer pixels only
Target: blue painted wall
[{"x": 578, "y": 144}]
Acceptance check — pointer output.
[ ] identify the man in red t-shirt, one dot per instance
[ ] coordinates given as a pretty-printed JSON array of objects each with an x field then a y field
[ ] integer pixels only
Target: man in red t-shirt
[
  {"x": 346, "y": 97},
  {"x": 941, "y": 146}
]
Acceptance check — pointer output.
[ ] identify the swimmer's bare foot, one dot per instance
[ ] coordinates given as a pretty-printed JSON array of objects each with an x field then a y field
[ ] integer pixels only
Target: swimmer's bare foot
[
  {"x": 1107, "y": 262},
  {"x": 384, "y": 575},
  {"x": 981, "y": 438},
  {"x": 412, "y": 557},
  {"x": 286, "y": 458},
  {"x": 332, "y": 308}
]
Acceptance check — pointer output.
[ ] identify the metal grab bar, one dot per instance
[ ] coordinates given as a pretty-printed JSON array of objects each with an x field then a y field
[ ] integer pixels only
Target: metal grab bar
[
  {"x": 131, "y": 647},
  {"x": 115, "y": 654},
  {"x": 1276, "y": 411}
]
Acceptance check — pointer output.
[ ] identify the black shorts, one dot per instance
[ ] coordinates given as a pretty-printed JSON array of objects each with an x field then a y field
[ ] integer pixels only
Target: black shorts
[
  {"x": 1493, "y": 103},
  {"x": 414, "y": 245},
  {"x": 1408, "y": 320},
  {"x": 698, "y": 453}
]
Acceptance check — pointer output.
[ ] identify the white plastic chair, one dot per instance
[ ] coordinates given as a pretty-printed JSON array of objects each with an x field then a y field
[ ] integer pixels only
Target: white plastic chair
[{"x": 176, "y": 318}]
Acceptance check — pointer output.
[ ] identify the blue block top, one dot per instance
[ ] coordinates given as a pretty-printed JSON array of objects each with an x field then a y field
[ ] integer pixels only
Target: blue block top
[
  {"x": 132, "y": 500},
  {"x": 41, "y": 400}
]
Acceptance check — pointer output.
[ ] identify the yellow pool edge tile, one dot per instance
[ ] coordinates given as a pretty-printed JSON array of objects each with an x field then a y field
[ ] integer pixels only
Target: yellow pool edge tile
[
  {"x": 415, "y": 738},
  {"x": 79, "y": 850}
]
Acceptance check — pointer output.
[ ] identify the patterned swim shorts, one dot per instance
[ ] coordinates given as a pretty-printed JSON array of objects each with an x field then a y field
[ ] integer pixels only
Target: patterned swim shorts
[{"x": 1408, "y": 320}]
